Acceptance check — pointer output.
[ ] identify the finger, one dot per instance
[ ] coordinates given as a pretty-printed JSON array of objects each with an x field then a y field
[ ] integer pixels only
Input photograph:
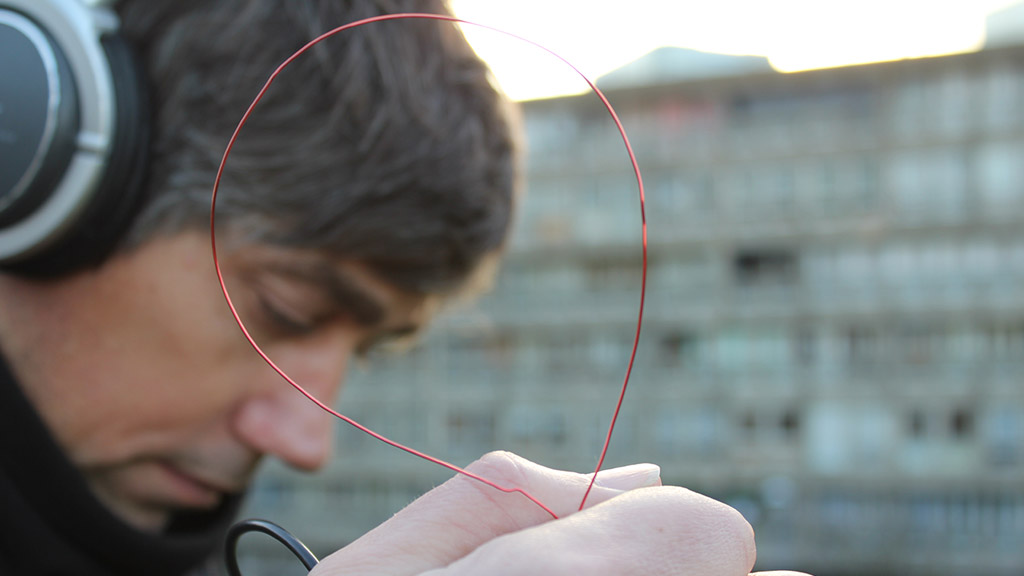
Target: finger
[
  {"x": 652, "y": 532},
  {"x": 457, "y": 517}
]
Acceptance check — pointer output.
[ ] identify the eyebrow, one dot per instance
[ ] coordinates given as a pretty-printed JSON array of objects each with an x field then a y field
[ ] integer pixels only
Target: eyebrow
[{"x": 346, "y": 293}]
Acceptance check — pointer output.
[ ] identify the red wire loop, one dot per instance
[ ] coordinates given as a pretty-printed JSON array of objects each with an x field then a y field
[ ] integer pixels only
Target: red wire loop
[{"x": 346, "y": 419}]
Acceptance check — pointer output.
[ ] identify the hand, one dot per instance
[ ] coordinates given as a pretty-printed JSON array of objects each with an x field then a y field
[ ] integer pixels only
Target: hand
[{"x": 632, "y": 525}]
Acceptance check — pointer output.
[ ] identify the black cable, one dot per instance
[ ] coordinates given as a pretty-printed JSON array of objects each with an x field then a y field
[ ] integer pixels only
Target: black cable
[{"x": 267, "y": 527}]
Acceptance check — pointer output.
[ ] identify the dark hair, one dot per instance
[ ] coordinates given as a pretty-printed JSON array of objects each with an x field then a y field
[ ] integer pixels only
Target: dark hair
[{"x": 387, "y": 144}]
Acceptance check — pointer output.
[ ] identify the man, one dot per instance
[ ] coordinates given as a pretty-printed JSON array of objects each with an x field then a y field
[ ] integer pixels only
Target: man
[{"x": 374, "y": 182}]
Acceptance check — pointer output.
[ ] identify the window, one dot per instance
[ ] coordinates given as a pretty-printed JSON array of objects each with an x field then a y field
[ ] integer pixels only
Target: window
[
  {"x": 864, "y": 346},
  {"x": 470, "y": 430},
  {"x": 537, "y": 425},
  {"x": 789, "y": 422},
  {"x": 676, "y": 349},
  {"x": 961, "y": 424},
  {"x": 765, "y": 267},
  {"x": 917, "y": 424},
  {"x": 609, "y": 351},
  {"x": 748, "y": 423},
  {"x": 1000, "y": 173},
  {"x": 687, "y": 430},
  {"x": 767, "y": 425},
  {"x": 605, "y": 275},
  {"x": 804, "y": 349},
  {"x": 1003, "y": 434},
  {"x": 927, "y": 180},
  {"x": 919, "y": 344}
]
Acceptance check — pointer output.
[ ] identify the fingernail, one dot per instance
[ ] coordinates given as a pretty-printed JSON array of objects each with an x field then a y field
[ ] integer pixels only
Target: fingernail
[{"x": 630, "y": 477}]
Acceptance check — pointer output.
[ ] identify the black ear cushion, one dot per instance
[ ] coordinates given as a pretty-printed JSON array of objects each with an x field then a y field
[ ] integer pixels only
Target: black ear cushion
[{"x": 89, "y": 240}]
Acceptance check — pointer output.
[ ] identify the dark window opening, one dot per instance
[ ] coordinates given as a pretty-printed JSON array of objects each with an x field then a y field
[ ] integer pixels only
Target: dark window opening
[
  {"x": 917, "y": 425},
  {"x": 765, "y": 267},
  {"x": 676, "y": 348},
  {"x": 790, "y": 423},
  {"x": 961, "y": 423},
  {"x": 748, "y": 422}
]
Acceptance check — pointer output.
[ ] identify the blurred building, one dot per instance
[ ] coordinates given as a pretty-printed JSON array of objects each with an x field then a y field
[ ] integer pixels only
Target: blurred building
[
  {"x": 1006, "y": 26},
  {"x": 834, "y": 334}
]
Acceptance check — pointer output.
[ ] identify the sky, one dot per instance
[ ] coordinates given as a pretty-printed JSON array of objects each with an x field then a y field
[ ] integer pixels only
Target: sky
[{"x": 598, "y": 36}]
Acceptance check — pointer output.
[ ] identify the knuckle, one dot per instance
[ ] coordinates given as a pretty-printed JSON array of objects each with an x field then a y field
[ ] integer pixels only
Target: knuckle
[
  {"x": 501, "y": 467},
  {"x": 693, "y": 530}
]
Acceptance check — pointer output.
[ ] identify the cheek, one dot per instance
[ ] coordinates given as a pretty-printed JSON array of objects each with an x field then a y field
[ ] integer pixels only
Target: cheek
[
  {"x": 168, "y": 370},
  {"x": 164, "y": 406}
]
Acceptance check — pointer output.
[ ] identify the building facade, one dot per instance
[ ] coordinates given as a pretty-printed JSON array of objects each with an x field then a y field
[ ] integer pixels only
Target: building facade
[{"x": 834, "y": 335}]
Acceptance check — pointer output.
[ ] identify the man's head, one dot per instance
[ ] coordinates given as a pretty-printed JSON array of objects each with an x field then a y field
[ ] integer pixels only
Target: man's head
[
  {"x": 375, "y": 178},
  {"x": 385, "y": 144}
]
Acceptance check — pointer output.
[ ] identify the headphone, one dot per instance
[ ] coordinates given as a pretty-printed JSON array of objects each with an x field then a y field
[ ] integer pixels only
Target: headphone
[{"x": 74, "y": 134}]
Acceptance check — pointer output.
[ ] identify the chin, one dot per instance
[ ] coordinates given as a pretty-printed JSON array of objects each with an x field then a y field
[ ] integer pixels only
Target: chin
[{"x": 144, "y": 519}]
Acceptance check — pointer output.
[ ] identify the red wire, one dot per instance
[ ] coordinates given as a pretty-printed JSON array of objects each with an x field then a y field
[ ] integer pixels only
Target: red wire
[{"x": 346, "y": 419}]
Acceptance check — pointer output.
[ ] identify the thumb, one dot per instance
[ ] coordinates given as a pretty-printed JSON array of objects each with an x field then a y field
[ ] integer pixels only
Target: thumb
[{"x": 457, "y": 517}]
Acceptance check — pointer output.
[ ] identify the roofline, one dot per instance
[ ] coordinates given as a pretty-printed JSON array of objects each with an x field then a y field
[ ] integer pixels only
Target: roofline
[{"x": 861, "y": 74}]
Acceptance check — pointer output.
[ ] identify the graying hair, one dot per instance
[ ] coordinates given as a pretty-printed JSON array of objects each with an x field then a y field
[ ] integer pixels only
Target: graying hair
[{"x": 388, "y": 144}]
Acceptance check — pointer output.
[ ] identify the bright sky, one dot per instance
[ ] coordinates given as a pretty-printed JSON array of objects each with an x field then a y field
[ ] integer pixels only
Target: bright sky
[{"x": 598, "y": 36}]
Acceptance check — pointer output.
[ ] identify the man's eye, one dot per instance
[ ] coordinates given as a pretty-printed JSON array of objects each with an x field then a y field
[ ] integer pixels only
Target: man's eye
[
  {"x": 383, "y": 342},
  {"x": 284, "y": 321}
]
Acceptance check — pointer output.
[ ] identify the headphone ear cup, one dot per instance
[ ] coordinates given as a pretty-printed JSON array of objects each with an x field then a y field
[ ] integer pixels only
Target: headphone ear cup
[
  {"x": 94, "y": 234},
  {"x": 84, "y": 184}
]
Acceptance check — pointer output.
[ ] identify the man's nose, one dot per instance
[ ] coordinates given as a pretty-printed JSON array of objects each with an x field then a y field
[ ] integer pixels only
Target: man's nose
[{"x": 283, "y": 422}]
